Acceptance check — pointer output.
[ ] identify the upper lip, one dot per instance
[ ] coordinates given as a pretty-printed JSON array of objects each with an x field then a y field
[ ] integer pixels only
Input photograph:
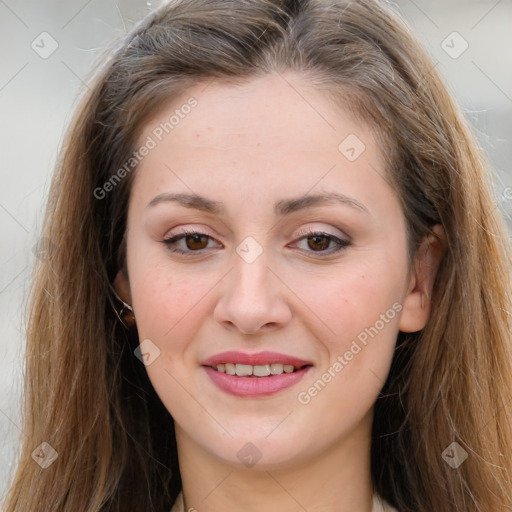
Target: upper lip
[{"x": 258, "y": 358}]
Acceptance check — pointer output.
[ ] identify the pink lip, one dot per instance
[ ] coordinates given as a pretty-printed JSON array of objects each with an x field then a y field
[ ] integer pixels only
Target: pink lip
[
  {"x": 233, "y": 356},
  {"x": 255, "y": 386}
]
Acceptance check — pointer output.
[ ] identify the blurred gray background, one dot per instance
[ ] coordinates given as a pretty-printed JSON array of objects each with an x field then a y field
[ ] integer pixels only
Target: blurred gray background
[{"x": 47, "y": 49}]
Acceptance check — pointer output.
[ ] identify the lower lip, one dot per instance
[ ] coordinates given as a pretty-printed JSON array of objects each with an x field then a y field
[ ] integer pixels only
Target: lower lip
[{"x": 255, "y": 386}]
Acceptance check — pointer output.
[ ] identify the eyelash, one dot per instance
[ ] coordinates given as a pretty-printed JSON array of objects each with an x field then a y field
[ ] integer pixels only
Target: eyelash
[{"x": 342, "y": 244}]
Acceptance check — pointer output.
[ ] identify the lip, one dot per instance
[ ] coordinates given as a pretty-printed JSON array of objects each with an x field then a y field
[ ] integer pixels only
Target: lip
[
  {"x": 254, "y": 387},
  {"x": 234, "y": 356}
]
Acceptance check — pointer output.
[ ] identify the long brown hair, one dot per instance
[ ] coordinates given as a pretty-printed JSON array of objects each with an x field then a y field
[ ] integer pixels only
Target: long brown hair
[{"x": 89, "y": 397}]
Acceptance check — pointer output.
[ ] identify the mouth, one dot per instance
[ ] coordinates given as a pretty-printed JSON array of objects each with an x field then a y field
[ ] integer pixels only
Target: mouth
[
  {"x": 258, "y": 371},
  {"x": 255, "y": 375}
]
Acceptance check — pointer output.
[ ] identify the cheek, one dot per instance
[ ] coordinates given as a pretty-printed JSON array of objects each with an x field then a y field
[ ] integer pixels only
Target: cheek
[
  {"x": 165, "y": 301},
  {"x": 363, "y": 310},
  {"x": 170, "y": 309},
  {"x": 352, "y": 300},
  {"x": 169, "y": 304}
]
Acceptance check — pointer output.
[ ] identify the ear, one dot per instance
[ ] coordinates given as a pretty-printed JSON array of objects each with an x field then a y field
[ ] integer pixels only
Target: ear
[
  {"x": 122, "y": 287},
  {"x": 416, "y": 303}
]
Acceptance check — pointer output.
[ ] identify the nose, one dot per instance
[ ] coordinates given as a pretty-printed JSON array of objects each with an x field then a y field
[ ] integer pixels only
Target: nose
[{"x": 253, "y": 298}]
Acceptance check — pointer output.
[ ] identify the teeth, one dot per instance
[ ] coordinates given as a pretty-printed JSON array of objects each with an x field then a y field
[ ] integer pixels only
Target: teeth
[
  {"x": 276, "y": 369},
  {"x": 243, "y": 370},
  {"x": 259, "y": 370}
]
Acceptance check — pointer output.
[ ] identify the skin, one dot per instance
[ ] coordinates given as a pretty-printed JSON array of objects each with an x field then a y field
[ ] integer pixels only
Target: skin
[{"x": 249, "y": 146}]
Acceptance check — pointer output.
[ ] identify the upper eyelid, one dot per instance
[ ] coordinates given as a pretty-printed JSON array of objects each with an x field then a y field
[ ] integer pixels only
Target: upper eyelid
[
  {"x": 302, "y": 233},
  {"x": 205, "y": 230},
  {"x": 187, "y": 232},
  {"x": 306, "y": 231}
]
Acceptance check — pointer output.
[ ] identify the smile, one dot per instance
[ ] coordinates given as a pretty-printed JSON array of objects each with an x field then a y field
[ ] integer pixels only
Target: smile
[
  {"x": 247, "y": 381},
  {"x": 259, "y": 370}
]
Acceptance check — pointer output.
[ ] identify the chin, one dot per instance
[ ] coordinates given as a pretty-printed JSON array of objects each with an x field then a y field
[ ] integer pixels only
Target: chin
[{"x": 256, "y": 452}]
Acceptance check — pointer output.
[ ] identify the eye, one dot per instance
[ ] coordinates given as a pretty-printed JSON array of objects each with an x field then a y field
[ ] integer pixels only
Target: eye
[
  {"x": 195, "y": 241},
  {"x": 319, "y": 241}
]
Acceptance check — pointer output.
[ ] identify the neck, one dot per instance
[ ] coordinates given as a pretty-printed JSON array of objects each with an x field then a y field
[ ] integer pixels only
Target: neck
[{"x": 336, "y": 480}]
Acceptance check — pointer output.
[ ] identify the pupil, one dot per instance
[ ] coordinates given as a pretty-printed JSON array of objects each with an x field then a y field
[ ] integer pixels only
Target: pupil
[
  {"x": 195, "y": 239},
  {"x": 316, "y": 237}
]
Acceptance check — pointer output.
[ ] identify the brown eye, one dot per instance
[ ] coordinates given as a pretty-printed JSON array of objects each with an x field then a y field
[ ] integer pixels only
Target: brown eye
[
  {"x": 318, "y": 242},
  {"x": 196, "y": 241}
]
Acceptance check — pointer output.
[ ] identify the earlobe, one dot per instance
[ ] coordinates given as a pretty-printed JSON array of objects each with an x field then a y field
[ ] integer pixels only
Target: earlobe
[
  {"x": 417, "y": 304},
  {"x": 122, "y": 287}
]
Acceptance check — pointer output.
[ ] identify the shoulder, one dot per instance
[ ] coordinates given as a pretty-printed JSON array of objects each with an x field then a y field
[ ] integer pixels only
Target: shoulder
[
  {"x": 179, "y": 505},
  {"x": 381, "y": 505}
]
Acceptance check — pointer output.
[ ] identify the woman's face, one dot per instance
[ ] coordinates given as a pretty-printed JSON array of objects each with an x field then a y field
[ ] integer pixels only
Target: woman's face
[{"x": 301, "y": 253}]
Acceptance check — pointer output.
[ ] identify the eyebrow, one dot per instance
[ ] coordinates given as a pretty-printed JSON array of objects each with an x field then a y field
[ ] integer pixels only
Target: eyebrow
[{"x": 281, "y": 208}]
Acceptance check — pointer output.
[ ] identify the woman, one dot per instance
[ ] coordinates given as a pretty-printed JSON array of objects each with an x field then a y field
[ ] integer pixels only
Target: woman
[{"x": 278, "y": 280}]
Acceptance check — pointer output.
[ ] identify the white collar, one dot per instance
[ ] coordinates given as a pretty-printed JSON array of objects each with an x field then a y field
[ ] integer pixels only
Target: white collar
[{"x": 379, "y": 505}]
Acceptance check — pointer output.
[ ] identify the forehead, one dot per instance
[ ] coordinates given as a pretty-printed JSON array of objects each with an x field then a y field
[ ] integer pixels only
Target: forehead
[
  {"x": 273, "y": 109},
  {"x": 271, "y": 133}
]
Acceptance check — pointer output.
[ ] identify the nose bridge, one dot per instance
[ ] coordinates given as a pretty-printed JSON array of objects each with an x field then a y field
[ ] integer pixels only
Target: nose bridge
[
  {"x": 251, "y": 272},
  {"x": 252, "y": 297},
  {"x": 251, "y": 276}
]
